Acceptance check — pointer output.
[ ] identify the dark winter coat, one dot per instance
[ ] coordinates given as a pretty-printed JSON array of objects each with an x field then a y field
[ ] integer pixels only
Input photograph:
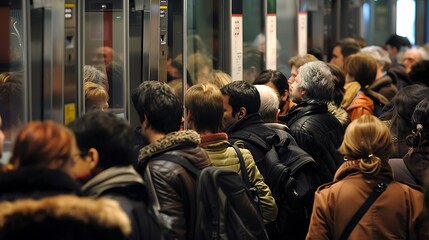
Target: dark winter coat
[
  {"x": 36, "y": 183},
  {"x": 125, "y": 185},
  {"x": 171, "y": 188},
  {"x": 320, "y": 134}
]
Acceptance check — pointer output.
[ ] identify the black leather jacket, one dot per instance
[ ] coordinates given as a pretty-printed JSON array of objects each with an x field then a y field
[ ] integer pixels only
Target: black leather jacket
[{"x": 318, "y": 133}]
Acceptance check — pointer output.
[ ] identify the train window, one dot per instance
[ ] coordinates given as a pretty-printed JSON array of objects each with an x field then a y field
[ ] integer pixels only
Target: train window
[
  {"x": 253, "y": 39},
  {"x": 202, "y": 39},
  {"x": 11, "y": 73},
  {"x": 406, "y": 18},
  {"x": 103, "y": 56}
]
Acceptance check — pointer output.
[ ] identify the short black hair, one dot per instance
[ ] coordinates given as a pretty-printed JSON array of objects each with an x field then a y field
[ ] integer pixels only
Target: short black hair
[
  {"x": 110, "y": 135},
  {"x": 242, "y": 94},
  {"x": 276, "y": 77},
  {"x": 398, "y": 41},
  {"x": 157, "y": 101}
]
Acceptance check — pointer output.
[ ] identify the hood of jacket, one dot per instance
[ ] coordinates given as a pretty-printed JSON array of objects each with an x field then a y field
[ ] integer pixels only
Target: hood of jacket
[
  {"x": 66, "y": 217},
  {"x": 114, "y": 177},
  {"x": 171, "y": 141}
]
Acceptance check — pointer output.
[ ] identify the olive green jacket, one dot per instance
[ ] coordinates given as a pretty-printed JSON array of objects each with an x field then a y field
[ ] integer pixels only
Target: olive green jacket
[{"x": 223, "y": 155}]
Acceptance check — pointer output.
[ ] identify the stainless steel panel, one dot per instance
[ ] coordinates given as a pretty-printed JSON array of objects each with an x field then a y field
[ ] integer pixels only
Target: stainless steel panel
[
  {"x": 71, "y": 77},
  {"x": 155, "y": 45},
  {"x": 135, "y": 58}
]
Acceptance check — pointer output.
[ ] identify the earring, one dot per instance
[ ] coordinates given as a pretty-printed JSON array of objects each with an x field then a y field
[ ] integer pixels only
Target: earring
[{"x": 345, "y": 158}]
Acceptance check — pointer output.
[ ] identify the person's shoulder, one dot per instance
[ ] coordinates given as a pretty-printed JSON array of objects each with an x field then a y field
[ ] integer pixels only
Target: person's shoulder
[{"x": 408, "y": 187}]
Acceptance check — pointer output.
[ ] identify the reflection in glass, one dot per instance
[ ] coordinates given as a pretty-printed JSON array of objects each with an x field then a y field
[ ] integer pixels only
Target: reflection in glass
[
  {"x": 253, "y": 39},
  {"x": 11, "y": 69},
  {"x": 104, "y": 49}
]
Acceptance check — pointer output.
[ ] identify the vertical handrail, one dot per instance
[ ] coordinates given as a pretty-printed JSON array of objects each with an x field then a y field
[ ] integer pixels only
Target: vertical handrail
[
  {"x": 185, "y": 59},
  {"x": 80, "y": 54},
  {"x": 126, "y": 72},
  {"x": 26, "y": 54}
]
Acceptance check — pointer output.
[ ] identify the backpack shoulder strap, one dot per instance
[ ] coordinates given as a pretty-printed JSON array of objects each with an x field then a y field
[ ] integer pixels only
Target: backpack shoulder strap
[
  {"x": 244, "y": 174},
  {"x": 178, "y": 160},
  {"x": 252, "y": 138},
  {"x": 381, "y": 187}
]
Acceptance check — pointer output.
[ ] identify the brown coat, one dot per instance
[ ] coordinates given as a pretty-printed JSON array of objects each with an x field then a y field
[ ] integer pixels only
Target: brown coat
[
  {"x": 397, "y": 214},
  {"x": 361, "y": 105}
]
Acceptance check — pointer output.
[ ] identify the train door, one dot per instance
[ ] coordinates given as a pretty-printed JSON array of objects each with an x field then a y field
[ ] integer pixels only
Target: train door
[
  {"x": 105, "y": 48},
  {"x": 215, "y": 35},
  {"x": 13, "y": 69},
  {"x": 378, "y": 19},
  {"x": 254, "y": 38},
  {"x": 40, "y": 63}
]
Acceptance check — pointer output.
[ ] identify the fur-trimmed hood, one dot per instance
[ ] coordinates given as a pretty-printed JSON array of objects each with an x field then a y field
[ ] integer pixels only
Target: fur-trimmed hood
[
  {"x": 63, "y": 215},
  {"x": 171, "y": 141}
]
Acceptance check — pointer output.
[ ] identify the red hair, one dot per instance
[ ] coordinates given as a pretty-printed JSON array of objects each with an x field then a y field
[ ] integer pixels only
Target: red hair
[{"x": 41, "y": 143}]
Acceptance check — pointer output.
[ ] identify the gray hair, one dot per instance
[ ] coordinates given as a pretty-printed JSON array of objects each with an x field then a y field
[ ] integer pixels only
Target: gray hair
[
  {"x": 317, "y": 80},
  {"x": 92, "y": 74},
  {"x": 380, "y": 55},
  {"x": 269, "y": 103}
]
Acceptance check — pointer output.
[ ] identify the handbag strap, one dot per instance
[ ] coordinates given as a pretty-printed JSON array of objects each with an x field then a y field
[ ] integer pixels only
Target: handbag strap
[
  {"x": 242, "y": 166},
  {"x": 381, "y": 187}
]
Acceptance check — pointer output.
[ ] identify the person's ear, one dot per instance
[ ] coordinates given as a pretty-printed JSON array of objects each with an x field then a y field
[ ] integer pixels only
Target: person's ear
[
  {"x": 93, "y": 157},
  {"x": 285, "y": 96},
  {"x": 145, "y": 123},
  {"x": 241, "y": 113}
]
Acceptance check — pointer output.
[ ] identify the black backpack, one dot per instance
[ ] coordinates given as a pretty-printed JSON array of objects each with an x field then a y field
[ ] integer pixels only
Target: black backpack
[
  {"x": 292, "y": 176},
  {"x": 225, "y": 208}
]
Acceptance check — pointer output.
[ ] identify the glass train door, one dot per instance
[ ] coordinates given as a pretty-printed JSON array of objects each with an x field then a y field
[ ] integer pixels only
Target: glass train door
[
  {"x": 105, "y": 50},
  {"x": 13, "y": 87}
]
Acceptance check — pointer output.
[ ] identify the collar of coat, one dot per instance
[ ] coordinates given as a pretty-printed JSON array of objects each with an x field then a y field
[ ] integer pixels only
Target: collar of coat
[
  {"x": 171, "y": 141},
  {"x": 249, "y": 120},
  {"x": 120, "y": 176},
  {"x": 304, "y": 109}
]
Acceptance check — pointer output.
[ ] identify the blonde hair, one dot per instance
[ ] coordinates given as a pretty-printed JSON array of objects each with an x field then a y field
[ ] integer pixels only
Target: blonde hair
[
  {"x": 94, "y": 91},
  {"x": 205, "y": 102},
  {"x": 220, "y": 78},
  {"x": 367, "y": 139},
  {"x": 197, "y": 63}
]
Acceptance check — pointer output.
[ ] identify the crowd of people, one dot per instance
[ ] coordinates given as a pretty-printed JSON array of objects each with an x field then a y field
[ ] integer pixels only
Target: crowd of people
[{"x": 338, "y": 150}]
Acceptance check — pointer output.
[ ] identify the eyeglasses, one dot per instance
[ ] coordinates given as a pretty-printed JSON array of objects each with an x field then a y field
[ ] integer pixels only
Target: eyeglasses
[{"x": 81, "y": 154}]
